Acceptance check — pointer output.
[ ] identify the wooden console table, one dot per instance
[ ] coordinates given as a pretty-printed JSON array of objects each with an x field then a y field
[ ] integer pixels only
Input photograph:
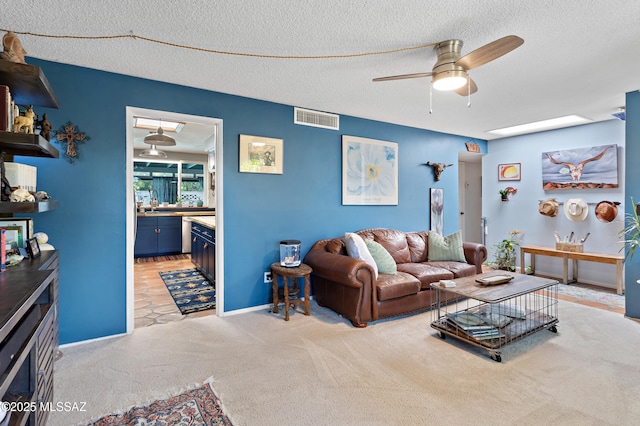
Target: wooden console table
[{"x": 611, "y": 259}]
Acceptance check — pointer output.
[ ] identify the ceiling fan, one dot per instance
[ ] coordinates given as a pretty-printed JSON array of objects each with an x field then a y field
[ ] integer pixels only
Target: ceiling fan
[{"x": 451, "y": 69}]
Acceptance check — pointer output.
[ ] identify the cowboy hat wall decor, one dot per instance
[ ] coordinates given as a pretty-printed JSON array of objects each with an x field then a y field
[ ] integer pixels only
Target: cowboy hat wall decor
[
  {"x": 548, "y": 207},
  {"x": 606, "y": 211},
  {"x": 576, "y": 209}
]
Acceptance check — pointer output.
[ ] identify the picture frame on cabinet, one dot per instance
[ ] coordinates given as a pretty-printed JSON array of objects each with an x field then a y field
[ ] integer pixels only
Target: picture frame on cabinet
[
  {"x": 19, "y": 230},
  {"x": 33, "y": 248},
  {"x": 260, "y": 154},
  {"x": 509, "y": 171}
]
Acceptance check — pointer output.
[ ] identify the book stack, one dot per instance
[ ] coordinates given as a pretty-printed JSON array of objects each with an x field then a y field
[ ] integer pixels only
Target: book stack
[
  {"x": 474, "y": 325},
  {"x": 8, "y": 109}
]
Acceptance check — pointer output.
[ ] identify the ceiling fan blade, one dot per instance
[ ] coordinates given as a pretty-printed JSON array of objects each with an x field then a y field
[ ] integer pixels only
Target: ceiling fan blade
[
  {"x": 489, "y": 52},
  {"x": 402, "y": 77},
  {"x": 468, "y": 89}
]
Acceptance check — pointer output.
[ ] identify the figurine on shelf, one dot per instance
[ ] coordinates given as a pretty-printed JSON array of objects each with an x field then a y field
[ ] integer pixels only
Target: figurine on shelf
[
  {"x": 21, "y": 195},
  {"x": 24, "y": 121},
  {"x": 6, "y": 186},
  {"x": 45, "y": 127},
  {"x": 13, "y": 50}
]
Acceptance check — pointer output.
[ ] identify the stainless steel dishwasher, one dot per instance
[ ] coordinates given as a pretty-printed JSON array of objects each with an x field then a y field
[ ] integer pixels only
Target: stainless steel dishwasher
[{"x": 186, "y": 234}]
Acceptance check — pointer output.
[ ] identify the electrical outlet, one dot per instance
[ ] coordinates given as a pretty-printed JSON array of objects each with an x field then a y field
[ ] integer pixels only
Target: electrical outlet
[{"x": 268, "y": 278}]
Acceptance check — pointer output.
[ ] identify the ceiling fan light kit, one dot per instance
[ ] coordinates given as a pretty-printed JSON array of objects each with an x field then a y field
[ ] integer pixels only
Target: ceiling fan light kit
[{"x": 449, "y": 80}]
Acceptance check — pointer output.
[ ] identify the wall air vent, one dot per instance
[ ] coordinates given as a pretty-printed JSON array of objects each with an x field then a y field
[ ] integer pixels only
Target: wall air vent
[{"x": 307, "y": 117}]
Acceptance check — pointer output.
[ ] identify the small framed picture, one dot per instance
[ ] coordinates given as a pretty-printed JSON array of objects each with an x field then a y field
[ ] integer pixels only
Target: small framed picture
[
  {"x": 33, "y": 248},
  {"x": 509, "y": 171},
  {"x": 260, "y": 155}
]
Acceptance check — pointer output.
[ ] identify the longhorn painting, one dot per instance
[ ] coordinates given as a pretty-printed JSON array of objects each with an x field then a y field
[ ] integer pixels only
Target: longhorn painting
[{"x": 580, "y": 168}]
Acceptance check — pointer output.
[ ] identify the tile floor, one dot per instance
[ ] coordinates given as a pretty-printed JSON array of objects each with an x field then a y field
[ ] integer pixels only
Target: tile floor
[{"x": 153, "y": 303}]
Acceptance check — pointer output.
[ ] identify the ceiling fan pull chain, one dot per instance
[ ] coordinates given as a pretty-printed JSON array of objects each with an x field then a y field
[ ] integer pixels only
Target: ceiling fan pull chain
[{"x": 469, "y": 91}]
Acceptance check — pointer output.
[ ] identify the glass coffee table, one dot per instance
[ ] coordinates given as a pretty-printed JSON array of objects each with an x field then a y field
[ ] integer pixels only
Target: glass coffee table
[{"x": 493, "y": 309}]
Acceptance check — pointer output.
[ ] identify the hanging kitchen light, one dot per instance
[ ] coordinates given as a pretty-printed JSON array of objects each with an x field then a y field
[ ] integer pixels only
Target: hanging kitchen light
[
  {"x": 153, "y": 152},
  {"x": 159, "y": 139}
]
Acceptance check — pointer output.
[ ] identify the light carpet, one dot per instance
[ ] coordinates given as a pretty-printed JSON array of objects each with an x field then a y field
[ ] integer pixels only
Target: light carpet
[{"x": 320, "y": 370}]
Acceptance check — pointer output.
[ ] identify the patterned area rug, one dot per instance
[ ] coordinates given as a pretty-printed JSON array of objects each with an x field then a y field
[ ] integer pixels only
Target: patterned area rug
[
  {"x": 598, "y": 296},
  {"x": 162, "y": 258},
  {"x": 197, "y": 407},
  {"x": 191, "y": 291}
]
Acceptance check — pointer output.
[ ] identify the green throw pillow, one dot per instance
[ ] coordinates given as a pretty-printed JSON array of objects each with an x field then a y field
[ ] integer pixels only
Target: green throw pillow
[
  {"x": 446, "y": 248},
  {"x": 384, "y": 261}
]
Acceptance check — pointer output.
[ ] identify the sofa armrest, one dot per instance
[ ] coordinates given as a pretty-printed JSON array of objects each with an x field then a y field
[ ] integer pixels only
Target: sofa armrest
[
  {"x": 338, "y": 268},
  {"x": 475, "y": 254}
]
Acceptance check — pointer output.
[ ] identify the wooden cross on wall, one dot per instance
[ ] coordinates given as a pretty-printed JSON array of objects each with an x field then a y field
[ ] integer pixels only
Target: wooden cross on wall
[{"x": 69, "y": 136}]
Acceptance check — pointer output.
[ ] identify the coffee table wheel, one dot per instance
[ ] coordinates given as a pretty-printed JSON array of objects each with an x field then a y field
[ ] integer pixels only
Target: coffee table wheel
[
  {"x": 553, "y": 329},
  {"x": 496, "y": 357},
  {"x": 442, "y": 335}
]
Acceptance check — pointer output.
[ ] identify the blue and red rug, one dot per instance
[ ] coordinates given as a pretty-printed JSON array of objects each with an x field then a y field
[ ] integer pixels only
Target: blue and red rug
[
  {"x": 197, "y": 407},
  {"x": 191, "y": 291}
]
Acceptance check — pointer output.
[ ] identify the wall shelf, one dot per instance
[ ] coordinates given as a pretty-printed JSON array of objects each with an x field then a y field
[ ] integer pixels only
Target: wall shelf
[
  {"x": 28, "y": 84},
  {"x": 27, "y": 145},
  {"x": 37, "y": 207}
]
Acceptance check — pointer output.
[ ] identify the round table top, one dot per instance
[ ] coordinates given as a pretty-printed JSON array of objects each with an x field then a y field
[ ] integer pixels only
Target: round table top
[{"x": 297, "y": 271}]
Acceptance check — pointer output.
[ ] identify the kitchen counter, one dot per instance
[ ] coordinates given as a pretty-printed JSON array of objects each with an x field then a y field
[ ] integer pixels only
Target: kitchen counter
[
  {"x": 177, "y": 213},
  {"x": 208, "y": 221}
]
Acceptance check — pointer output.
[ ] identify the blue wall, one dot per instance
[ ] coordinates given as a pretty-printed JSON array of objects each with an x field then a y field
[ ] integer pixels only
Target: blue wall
[
  {"x": 632, "y": 178},
  {"x": 260, "y": 210}
]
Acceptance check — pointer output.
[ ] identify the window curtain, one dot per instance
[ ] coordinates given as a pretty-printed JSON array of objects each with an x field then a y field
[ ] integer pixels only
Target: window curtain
[{"x": 166, "y": 188}]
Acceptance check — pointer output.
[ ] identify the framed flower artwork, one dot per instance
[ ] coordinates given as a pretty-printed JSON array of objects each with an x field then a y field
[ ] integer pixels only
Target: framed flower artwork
[
  {"x": 509, "y": 171},
  {"x": 369, "y": 171}
]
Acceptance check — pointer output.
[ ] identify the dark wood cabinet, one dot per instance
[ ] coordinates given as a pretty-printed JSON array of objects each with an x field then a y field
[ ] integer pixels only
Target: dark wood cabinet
[
  {"x": 158, "y": 235},
  {"x": 28, "y": 291},
  {"x": 203, "y": 250},
  {"x": 29, "y": 336}
]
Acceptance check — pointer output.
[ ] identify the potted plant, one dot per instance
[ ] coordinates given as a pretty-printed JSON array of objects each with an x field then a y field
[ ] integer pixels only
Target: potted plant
[
  {"x": 631, "y": 232},
  {"x": 179, "y": 202},
  {"x": 505, "y": 251},
  {"x": 504, "y": 193}
]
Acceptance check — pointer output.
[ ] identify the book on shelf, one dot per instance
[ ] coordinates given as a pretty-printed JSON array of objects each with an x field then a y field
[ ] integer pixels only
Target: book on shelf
[{"x": 6, "y": 110}]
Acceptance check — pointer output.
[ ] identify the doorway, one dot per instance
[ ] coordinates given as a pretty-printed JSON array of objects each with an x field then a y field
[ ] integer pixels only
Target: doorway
[
  {"x": 214, "y": 148},
  {"x": 470, "y": 196}
]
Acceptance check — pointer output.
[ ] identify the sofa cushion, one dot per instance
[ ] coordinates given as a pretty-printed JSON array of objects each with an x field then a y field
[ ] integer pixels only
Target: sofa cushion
[
  {"x": 393, "y": 286},
  {"x": 417, "y": 242},
  {"x": 384, "y": 261},
  {"x": 427, "y": 273},
  {"x": 458, "y": 269},
  {"x": 335, "y": 245},
  {"x": 446, "y": 248},
  {"x": 395, "y": 242},
  {"x": 357, "y": 249}
]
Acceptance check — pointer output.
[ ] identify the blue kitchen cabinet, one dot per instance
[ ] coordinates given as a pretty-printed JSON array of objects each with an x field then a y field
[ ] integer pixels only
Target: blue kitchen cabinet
[
  {"x": 158, "y": 235},
  {"x": 203, "y": 250}
]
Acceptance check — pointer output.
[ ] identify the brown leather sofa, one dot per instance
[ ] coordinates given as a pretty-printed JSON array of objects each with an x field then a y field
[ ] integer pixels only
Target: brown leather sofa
[{"x": 349, "y": 286}]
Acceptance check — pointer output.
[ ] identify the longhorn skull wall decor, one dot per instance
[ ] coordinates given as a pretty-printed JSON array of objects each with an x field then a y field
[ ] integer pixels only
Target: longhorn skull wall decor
[
  {"x": 582, "y": 168},
  {"x": 438, "y": 168}
]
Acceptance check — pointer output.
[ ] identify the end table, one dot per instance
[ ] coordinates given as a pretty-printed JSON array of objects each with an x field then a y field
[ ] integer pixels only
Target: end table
[{"x": 301, "y": 271}]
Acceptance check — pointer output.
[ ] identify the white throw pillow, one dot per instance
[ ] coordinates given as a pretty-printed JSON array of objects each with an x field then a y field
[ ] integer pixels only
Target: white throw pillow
[{"x": 357, "y": 248}]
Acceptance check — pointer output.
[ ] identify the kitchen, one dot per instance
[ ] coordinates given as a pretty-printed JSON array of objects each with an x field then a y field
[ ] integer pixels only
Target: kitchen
[{"x": 173, "y": 177}]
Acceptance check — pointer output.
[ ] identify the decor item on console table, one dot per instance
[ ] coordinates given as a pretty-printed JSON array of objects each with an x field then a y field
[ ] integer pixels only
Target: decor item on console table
[{"x": 353, "y": 288}]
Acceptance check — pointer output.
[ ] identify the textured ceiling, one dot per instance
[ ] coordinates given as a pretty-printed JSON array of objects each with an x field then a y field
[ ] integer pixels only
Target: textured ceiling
[{"x": 579, "y": 57}]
